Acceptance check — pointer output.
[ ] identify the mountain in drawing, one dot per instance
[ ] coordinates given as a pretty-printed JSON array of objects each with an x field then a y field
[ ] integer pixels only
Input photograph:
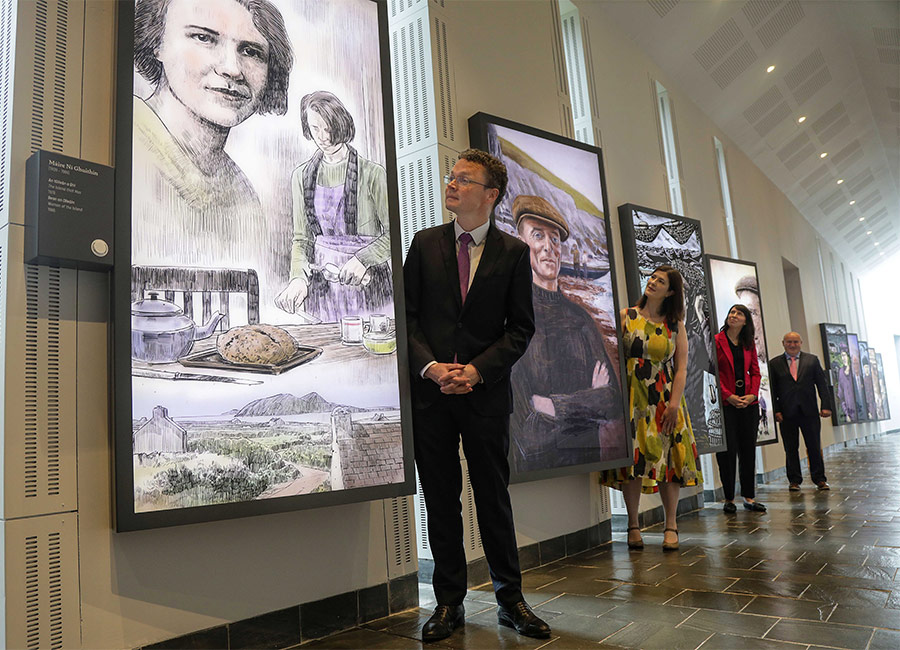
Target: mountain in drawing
[{"x": 287, "y": 404}]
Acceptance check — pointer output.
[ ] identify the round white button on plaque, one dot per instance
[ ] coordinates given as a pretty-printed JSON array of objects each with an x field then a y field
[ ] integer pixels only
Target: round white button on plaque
[{"x": 99, "y": 248}]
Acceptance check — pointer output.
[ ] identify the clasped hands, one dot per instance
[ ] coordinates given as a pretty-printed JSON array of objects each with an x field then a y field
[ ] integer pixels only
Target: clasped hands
[
  {"x": 741, "y": 401},
  {"x": 454, "y": 378}
]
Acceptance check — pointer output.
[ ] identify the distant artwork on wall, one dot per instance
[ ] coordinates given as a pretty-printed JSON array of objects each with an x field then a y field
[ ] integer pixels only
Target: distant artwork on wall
[
  {"x": 737, "y": 282},
  {"x": 859, "y": 387},
  {"x": 651, "y": 238},
  {"x": 568, "y": 400},
  {"x": 880, "y": 397},
  {"x": 868, "y": 380},
  {"x": 840, "y": 372},
  {"x": 257, "y": 231}
]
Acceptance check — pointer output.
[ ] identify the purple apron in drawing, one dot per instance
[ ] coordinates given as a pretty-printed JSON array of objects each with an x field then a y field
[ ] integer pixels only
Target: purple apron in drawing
[{"x": 328, "y": 299}]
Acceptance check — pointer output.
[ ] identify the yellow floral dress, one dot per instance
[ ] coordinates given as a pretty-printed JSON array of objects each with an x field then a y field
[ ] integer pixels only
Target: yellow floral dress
[{"x": 650, "y": 357}]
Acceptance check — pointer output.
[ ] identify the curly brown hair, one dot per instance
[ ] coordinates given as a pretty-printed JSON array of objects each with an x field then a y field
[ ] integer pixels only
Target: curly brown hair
[{"x": 496, "y": 170}]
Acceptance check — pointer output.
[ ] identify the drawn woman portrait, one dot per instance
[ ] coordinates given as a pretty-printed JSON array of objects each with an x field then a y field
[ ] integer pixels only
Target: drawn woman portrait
[
  {"x": 341, "y": 244},
  {"x": 211, "y": 66}
]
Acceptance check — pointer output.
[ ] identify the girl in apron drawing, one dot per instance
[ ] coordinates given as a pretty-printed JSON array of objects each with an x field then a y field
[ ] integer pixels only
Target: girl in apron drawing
[{"x": 340, "y": 257}]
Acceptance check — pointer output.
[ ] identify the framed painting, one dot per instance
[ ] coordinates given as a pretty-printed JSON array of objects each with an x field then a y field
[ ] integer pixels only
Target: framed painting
[
  {"x": 568, "y": 398},
  {"x": 885, "y": 406},
  {"x": 859, "y": 387},
  {"x": 257, "y": 315},
  {"x": 737, "y": 282},
  {"x": 651, "y": 238},
  {"x": 868, "y": 381},
  {"x": 840, "y": 372},
  {"x": 875, "y": 361}
]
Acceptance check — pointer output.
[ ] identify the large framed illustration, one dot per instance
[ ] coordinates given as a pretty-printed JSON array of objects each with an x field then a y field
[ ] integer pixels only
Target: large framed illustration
[
  {"x": 885, "y": 409},
  {"x": 868, "y": 382},
  {"x": 257, "y": 315},
  {"x": 736, "y": 281},
  {"x": 875, "y": 362},
  {"x": 840, "y": 372},
  {"x": 859, "y": 387},
  {"x": 651, "y": 238},
  {"x": 569, "y": 404}
]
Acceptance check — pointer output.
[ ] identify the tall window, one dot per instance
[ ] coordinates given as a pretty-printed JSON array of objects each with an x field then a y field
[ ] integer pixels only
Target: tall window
[
  {"x": 837, "y": 288},
  {"x": 667, "y": 135},
  {"x": 726, "y": 197},
  {"x": 576, "y": 71}
]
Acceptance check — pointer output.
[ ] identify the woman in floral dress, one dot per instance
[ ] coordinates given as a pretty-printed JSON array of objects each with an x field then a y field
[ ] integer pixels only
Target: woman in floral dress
[{"x": 665, "y": 455}]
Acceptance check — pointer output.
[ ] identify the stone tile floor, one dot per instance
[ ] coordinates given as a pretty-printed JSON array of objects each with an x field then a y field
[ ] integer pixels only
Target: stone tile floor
[{"x": 819, "y": 570}]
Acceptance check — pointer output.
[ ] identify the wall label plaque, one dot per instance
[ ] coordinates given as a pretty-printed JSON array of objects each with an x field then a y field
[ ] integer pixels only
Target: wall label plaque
[{"x": 68, "y": 212}]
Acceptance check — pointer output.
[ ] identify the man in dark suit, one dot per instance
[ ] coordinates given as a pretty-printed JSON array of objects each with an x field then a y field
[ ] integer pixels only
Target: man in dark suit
[
  {"x": 795, "y": 377},
  {"x": 469, "y": 318}
]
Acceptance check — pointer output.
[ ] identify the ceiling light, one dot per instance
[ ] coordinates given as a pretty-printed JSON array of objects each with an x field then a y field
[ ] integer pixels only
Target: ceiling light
[
  {"x": 840, "y": 180},
  {"x": 876, "y": 243},
  {"x": 862, "y": 218},
  {"x": 868, "y": 232},
  {"x": 823, "y": 154},
  {"x": 852, "y": 202},
  {"x": 770, "y": 68},
  {"x": 801, "y": 119}
]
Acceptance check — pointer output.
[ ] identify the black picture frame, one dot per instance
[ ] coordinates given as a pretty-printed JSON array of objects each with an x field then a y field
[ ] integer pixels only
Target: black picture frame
[
  {"x": 718, "y": 320},
  {"x": 834, "y": 343},
  {"x": 702, "y": 389},
  {"x": 533, "y": 177},
  {"x": 125, "y": 516}
]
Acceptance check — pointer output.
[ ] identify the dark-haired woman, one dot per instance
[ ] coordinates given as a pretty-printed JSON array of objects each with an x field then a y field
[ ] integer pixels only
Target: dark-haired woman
[
  {"x": 341, "y": 246},
  {"x": 665, "y": 455},
  {"x": 739, "y": 379}
]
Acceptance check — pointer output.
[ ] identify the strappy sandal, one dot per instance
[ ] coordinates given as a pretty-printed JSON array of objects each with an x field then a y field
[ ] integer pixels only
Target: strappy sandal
[
  {"x": 638, "y": 545},
  {"x": 670, "y": 546}
]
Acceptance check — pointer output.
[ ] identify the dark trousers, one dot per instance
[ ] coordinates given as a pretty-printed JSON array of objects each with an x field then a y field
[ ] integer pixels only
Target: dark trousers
[
  {"x": 790, "y": 438},
  {"x": 437, "y": 431},
  {"x": 741, "y": 429}
]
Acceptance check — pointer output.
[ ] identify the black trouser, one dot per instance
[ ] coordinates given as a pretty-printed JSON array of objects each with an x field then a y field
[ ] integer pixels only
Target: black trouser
[
  {"x": 811, "y": 427},
  {"x": 741, "y": 429},
  {"x": 437, "y": 431}
]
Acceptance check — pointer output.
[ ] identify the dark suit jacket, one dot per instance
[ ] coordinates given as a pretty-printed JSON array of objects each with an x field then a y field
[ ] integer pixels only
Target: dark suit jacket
[
  {"x": 798, "y": 398},
  {"x": 751, "y": 376},
  {"x": 491, "y": 331}
]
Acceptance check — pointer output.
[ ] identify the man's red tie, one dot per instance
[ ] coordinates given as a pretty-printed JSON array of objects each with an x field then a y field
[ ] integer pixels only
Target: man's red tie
[
  {"x": 462, "y": 261},
  {"x": 794, "y": 368}
]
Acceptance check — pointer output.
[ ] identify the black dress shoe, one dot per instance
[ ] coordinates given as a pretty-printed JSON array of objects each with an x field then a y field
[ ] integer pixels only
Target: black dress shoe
[
  {"x": 756, "y": 506},
  {"x": 445, "y": 619},
  {"x": 523, "y": 620},
  {"x": 729, "y": 508}
]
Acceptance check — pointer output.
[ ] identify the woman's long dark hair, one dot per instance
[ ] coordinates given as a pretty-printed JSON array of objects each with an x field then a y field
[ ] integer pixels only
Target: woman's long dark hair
[
  {"x": 747, "y": 335},
  {"x": 672, "y": 306}
]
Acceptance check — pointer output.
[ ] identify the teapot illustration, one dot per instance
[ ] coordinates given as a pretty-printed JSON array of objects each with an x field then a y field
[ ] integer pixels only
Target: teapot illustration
[{"x": 161, "y": 333}]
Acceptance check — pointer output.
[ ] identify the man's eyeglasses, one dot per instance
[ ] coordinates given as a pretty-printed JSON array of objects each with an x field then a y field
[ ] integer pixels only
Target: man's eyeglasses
[{"x": 463, "y": 182}]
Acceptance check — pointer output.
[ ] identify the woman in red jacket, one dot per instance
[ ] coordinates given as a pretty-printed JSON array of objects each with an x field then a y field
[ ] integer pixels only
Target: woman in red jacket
[{"x": 739, "y": 381}]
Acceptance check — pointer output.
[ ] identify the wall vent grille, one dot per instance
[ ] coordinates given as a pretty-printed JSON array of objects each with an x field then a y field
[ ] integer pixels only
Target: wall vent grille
[
  {"x": 418, "y": 196},
  {"x": 793, "y": 147},
  {"x": 828, "y": 134},
  {"x": 32, "y": 289},
  {"x": 889, "y": 36},
  {"x": 766, "y": 102},
  {"x": 40, "y": 71},
  {"x": 470, "y": 517},
  {"x": 59, "y": 75},
  {"x": 756, "y": 10},
  {"x": 847, "y": 156},
  {"x": 848, "y": 219},
  {"x": 444, "y": 82},
  {"x": 734, "y": 65},
  {"x": 862, "y": 180},
  {"x": 813, "y": 85},
  {"x": 868, "y": 202},
  {"x": 7, "y": 12},
  {"x": 662, "y": 7},
  {"x": 814, "y": 178},
  {"x": 889, "y": 56},
  {"x": 832, "y": 202},
  {"x": 803, "y": 70},
  {"x": 719, "y": 44},
  {"x": 780, "y": 24},
  {"x": 399, "y": 522},
  {"x": 410, "y": 67}
]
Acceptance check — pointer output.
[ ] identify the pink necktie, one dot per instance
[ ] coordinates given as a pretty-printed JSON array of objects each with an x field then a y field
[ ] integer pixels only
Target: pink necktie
[
  {"x": 794, "y": 368},
  {"x": 462, "y": 261}
]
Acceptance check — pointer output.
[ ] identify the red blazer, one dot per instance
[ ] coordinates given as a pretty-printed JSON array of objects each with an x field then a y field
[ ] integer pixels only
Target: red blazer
[{"x": 726, "y": 369}]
